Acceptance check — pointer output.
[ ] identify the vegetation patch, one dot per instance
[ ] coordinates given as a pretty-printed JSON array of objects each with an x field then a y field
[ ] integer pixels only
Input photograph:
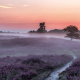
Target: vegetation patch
[
  {"x": 32, "y": 67},
  {"x": 71, "y": 73}
]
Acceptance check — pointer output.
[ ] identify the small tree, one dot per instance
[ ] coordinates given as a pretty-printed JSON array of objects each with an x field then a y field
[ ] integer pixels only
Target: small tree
[
  {"x": 42, "y": 28},
  {"x": 72, "y": 31}
]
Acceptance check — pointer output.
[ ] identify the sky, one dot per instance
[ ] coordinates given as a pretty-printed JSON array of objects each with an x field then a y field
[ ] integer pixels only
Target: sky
[{"x": 27, "y": 14}]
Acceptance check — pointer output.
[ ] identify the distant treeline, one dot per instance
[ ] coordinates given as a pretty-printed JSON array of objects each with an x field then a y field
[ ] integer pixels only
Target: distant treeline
[
  {"x": 8, "y": 32},
  {"x": 42, "y": 29},
  {"x": 50, "y": 31}
]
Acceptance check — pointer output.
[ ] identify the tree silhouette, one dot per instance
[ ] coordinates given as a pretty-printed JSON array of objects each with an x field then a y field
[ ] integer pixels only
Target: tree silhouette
[
  {"x": 42, "y": 28},
  {"x": 72, "y": 31}
]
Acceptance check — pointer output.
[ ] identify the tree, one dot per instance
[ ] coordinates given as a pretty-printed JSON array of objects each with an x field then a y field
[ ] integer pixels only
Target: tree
[
  {"x": 72, "y": 31},
  {"x": 42, "y": 28}
]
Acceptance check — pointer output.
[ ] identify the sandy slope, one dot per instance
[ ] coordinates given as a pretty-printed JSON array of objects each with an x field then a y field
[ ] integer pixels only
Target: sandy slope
[{"x": 13, "y": 46}]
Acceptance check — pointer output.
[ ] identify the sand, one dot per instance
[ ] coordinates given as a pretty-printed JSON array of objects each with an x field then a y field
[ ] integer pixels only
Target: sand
[{"x": 18, "y": 46}]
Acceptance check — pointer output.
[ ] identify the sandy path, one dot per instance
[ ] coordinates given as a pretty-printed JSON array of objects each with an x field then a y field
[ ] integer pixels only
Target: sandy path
[{"x": 55, "y": 74}]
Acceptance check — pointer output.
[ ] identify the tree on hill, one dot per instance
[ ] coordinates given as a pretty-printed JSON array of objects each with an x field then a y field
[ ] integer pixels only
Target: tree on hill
[{"x": 72, "y": 31}]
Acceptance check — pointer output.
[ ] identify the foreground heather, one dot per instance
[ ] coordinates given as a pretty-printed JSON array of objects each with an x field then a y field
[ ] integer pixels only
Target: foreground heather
[
  {"x": 72, "y": 73},
  {"x": 26, "y": 68}
]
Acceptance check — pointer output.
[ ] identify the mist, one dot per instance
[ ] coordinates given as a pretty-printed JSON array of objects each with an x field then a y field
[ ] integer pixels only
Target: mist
[{"x": 37, "y": 35}]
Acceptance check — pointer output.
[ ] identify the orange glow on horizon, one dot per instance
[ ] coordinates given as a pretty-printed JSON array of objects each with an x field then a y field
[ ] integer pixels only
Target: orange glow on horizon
[{"x": 56, "y": 14}]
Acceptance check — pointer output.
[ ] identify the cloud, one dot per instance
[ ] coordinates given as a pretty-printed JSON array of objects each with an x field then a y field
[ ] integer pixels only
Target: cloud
[
  {"x": 10, "y": 4},
  {"x": 25, "y": 5},
  {"x": 5, "y": 7}
]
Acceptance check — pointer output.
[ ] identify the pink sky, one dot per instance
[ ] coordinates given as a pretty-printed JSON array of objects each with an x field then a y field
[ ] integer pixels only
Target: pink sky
[{"x": 27, "y": 14}]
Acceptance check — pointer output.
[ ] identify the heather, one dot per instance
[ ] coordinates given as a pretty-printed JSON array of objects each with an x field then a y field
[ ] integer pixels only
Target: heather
[
  {"x": 28, "y": 67},
  {"x": 73, "y": 72}
]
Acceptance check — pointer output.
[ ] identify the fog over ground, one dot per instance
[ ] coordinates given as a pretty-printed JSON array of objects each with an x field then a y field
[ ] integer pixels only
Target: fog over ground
[{"x": 26, "y": 44}]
